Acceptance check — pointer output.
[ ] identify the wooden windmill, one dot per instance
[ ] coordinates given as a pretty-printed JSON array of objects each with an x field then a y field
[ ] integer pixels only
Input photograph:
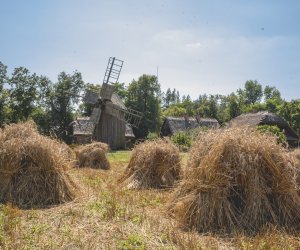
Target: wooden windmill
[{"x": 109, "y": 116}]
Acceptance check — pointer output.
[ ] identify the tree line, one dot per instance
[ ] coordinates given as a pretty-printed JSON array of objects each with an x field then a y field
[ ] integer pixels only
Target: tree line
[{"x": 54, "y": 105}]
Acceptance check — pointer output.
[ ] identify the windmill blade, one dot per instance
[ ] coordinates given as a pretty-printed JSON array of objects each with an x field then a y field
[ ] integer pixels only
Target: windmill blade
[
  {"x": 90, "y": 97},
  {"x": 130, "y": 116},
  {"x": 113, "y": 70},
  {"x": 111, "y": 76},
  {"x": 95, "y": 116}
]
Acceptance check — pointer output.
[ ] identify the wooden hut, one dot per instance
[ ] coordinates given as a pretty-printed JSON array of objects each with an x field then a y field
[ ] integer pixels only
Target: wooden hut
[
  {"x": 266, "y": 118},
  {"x": 173, "y": 125}
]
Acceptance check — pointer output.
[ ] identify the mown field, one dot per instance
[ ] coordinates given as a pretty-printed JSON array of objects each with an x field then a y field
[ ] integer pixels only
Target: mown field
[{"x": 107, "y": 217}]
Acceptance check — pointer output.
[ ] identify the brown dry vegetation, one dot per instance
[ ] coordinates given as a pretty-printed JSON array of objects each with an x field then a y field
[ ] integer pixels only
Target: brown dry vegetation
[
  {"x": 153, "y": 164},
  {"x": 92, "y": 155},
  {"x": 237, "y": 180},
  {"x": 107, "y": 217},
  {"x": 33, "y": 168}
]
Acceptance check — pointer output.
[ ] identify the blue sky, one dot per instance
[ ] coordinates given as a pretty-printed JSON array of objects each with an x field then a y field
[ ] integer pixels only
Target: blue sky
[{"x": 199, "y": 46}]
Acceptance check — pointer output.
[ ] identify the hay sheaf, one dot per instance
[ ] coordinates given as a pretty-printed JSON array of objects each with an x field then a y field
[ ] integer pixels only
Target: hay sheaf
[
  {"x": 153, "y": 164},
  {"x": 237, "y": 180},
  {"x": 93, "y": 155},
  {"x": 33, "y": 168}
]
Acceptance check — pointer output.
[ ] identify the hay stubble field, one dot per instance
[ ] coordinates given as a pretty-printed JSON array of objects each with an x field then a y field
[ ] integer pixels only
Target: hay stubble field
[{"x": 104, "y": 216}]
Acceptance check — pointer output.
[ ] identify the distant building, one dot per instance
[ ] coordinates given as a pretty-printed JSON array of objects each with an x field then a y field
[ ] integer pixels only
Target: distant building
[
  {"x": 173, "y": 125},
  {"x": 266, "y": 118}
]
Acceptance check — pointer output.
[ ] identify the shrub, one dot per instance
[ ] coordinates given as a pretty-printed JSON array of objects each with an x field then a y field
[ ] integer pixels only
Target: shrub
[{"x": 272, "y": 129}]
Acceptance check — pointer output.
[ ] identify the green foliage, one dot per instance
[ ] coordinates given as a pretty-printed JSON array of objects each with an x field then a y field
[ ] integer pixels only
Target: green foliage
[
  {"x": 85, "y": 108},
  {"x": 144, "y": 96},
  {"x": 174, "y": 110},
  {"x": 3, "y": 79},
  {"x": 65, "y": 95},
  {"x": 152, "y": 136},
  {"x": 253, "y": 92},
  {"x": 121, "y": 90},
  {"x": 133, "y": 241},
  {"x": 273, "y": 129},
  {"x": 271, "y": 92},
  {"x": 170, "y": 97},
  {"x": 23, "y": 93},
  {"x": 182, "y": 139},
  {"x": 291, "y": 112}
]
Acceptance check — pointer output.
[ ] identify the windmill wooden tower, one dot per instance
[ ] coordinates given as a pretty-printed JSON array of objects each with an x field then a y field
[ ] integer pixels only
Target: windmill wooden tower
[{"x": 109, "y": 116}]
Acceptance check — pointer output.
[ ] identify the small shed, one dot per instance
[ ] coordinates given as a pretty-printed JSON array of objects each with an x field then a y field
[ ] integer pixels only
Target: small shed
[
  {"x": 266, "y": 118},
  {"x": 173, "y": 125},
  {"x": 81, "y": 130}
]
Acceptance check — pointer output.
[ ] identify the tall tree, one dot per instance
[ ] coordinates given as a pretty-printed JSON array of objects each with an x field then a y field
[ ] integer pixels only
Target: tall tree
[
  {"x": 253, "y": 92},
  {"x": 271, "y": 92},
  {"x": 23, "y": 93},
  {"x": 63, "y": 99},
  {"x": 3, "y": 80},
  {"x": 144, "y": 96}
]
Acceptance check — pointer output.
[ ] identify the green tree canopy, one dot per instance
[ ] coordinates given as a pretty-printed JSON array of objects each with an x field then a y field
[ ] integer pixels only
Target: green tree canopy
[
  {"x": 144, "y": 96},
  {"x": 253, "y": 92}
]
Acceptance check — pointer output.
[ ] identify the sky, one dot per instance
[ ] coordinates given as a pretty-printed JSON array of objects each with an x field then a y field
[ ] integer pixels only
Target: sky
[{"x": 196, "y": 46}]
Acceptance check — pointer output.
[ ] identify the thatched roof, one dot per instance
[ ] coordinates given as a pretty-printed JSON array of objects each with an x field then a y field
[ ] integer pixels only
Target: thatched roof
[
  {"x": 265, "y": 118},
  {"x": 82, "y": 126},
  {"x": 172, "y": 125}
]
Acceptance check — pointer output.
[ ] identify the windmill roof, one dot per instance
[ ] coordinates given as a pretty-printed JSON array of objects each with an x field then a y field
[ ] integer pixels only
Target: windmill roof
[{"x": 116, "y": 99}]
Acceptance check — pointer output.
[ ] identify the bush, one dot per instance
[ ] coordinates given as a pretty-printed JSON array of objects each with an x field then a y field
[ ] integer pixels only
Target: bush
[
  {"x": 273, "y": 129},
  {"x": 152, "y": 136},
  {"x": 182, "y": 140}
]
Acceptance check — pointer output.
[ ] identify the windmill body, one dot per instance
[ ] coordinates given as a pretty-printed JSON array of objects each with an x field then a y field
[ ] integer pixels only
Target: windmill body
[{"x": 110, "y": 116}]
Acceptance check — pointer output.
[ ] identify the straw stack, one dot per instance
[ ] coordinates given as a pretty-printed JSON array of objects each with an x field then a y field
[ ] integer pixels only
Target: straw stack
[
  {"x": 153, "y": 164},
  {"x": 237, "y": 180},
  {"x": 33, "y": 168},
  {"x": 93, "y": 155}
]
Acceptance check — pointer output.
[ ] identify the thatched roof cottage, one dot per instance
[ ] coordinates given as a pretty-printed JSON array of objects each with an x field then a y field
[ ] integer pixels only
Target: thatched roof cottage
[
  {"x": 172, "y": 125},
  {"x": 266, "y": 118}
]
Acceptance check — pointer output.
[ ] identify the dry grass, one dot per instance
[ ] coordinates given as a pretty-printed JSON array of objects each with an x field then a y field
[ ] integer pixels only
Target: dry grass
[
  {"x": 237, "y": 180},
  {"x": 153, "y": 164},
  {"x": 33, "y": 168},
  {"x": 112, "y": 218},
  {"x": 93, "y": 155}
]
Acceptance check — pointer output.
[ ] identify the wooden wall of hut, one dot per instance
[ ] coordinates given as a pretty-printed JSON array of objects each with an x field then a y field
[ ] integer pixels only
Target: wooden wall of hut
[{"x": 111, "y": 130}]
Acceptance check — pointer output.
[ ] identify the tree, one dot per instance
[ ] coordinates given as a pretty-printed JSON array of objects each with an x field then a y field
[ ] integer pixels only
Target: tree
[
  {"x": 120, "y": 89},
  {"x": 3, "y": 79},
  {"x": 63, "y": 99},
  {"x": 233, "y": 107},
  {"x": 272, "y": 99},
  {"x": 23, "y": 93},
  {"x": 271, "y": 92},
  {"x": 291, "y": 112},
  {"x": 253, "y": 92},
  {"x": 144, "y": 96},
  {"x": 174, "y": 110},
  {"x": 86, "y": 109}
]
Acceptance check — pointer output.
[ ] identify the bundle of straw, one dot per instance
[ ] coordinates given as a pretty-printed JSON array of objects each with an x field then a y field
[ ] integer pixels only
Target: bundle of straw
[
  {"x": 33, "y": 168},
  {"x": 153, "y": 164},
  {"x": 237, "y": 179},
  {"x": 93, "y": 155}
]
